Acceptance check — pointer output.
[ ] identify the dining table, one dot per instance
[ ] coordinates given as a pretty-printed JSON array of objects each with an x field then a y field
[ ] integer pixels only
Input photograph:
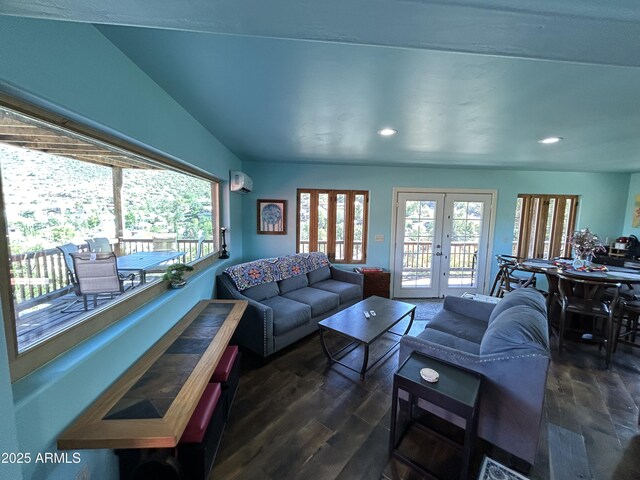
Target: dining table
[
  {"x": 141, "y": 262},
  {"x": 609, "y": 276}
]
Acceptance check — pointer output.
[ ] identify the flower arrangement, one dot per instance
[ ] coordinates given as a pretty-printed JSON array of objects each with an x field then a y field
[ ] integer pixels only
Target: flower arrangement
[{"x": 585, "y": 243}]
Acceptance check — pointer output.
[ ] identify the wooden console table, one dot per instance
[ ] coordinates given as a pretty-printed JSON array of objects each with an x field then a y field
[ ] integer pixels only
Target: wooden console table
[{"x": 150, "y": 405}]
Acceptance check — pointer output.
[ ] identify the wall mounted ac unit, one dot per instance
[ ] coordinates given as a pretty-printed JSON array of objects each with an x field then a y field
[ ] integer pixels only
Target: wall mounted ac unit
[{"x": 240, "y": 182}]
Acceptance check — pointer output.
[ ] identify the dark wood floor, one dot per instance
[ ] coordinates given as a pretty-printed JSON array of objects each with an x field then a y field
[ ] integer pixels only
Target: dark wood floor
[{"x": 295, "y": 419}]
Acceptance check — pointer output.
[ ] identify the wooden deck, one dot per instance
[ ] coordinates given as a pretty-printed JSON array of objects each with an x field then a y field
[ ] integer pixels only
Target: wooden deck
[
  {"x": 48, "y": 317},
  {"x": 294, "y": 418}
]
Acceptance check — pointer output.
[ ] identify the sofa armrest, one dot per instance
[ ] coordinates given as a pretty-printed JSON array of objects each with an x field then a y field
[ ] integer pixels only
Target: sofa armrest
[
  {"x": 346, "y": 276},
  {"x": 255, "y": 330},
  {"x": 468, "y": 307}
]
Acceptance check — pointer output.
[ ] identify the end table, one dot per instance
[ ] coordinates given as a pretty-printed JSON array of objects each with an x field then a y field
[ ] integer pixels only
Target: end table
[{"x": 457, "y": 391}]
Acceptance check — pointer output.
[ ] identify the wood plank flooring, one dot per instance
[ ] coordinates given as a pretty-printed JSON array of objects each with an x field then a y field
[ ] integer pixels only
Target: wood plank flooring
[{"x": 295, "y": 419}]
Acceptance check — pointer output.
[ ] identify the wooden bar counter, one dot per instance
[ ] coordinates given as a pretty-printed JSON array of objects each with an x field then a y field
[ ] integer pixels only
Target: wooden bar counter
[{"x": 150, "y": 405}]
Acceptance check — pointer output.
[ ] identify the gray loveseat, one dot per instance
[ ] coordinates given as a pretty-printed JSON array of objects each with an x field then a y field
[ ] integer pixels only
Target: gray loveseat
[
  {"x": 287, "y": 298},
  {"x": 509, "y": 344}
]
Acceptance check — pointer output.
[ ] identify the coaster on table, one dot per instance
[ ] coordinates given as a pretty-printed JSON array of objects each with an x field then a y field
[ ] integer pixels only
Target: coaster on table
[{"x": 430, "y": 375}]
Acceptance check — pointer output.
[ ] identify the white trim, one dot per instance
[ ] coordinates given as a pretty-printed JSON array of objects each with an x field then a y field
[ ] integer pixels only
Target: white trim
[{"x": 492, "y": 222}]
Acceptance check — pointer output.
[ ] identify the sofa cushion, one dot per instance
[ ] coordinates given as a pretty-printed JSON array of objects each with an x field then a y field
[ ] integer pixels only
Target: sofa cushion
[
  {"x": 320, "y": 301},
  {"x": 522, "y": 296},
  {"x": 518, "y": 327},
  {"x": 287, "y": 314},
  {"x": 448, "y": 340},
  {"x": 293, "y": 283},
  {"x": 467, "y": 328},
  {"x": 346, "y": 291},
  {"x": 262, "y": 292},
  {"x": 318, "y": 275}
]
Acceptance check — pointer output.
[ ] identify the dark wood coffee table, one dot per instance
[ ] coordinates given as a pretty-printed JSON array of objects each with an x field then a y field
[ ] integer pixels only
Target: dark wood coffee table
[{"x": 352, "y": 323}]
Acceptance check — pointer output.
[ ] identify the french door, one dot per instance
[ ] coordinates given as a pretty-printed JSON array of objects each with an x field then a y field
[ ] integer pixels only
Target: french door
[{"x": 441, "y": 243}]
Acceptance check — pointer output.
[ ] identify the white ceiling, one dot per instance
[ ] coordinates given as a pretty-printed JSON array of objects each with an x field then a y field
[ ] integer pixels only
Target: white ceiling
[{"x": 466, "y": 83}]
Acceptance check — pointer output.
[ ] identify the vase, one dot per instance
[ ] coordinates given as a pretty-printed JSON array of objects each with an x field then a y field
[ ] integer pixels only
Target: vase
[
  {"x": 177, "y": 284},
  {"x": 583, "y": 260}
]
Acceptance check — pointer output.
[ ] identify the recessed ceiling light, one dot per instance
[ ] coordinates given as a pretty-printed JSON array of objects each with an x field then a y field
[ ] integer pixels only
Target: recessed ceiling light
[
  {"x": 387, "y": 132},
  {"x": 550, "y": 140}
]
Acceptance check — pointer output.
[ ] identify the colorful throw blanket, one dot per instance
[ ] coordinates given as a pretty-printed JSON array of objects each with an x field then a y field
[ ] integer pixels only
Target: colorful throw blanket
[{"x": 250, "y": 274}]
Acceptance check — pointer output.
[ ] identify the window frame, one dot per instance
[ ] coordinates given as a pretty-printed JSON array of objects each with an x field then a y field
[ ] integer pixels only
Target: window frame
[
  {"x": 331, "y": 222},
  {"x": 23, "y": 363},
  {"x": 555, "y": 236}
]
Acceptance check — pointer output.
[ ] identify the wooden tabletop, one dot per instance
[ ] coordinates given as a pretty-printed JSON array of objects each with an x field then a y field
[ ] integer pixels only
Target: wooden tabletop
[
  {"x": 150, "y": 405},
  {"x": 352, "y": 323}
]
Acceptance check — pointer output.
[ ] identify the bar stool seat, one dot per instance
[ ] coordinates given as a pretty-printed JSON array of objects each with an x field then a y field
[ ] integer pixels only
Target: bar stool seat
[
  {"x": 223, "y": 369},
  {"x": 199, "y": 421}
]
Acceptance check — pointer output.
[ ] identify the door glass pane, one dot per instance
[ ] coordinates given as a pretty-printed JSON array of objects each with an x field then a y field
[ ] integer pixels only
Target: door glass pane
[
  {"x": 305, "y": 214},
  {"x": 466, "y": 225},
  {"x": 547, "y": 233},
  {"x": 358, "y": 228},
  {"x": 418, "y": 243},
  {"x": 323, "y": 221},
  {"x": 341, "y": 218},
  {"x": 516, "y": 227}
]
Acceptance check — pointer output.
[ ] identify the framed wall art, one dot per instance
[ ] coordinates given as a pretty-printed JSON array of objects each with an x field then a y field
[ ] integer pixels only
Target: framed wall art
[{"x": 272, "y": 217}]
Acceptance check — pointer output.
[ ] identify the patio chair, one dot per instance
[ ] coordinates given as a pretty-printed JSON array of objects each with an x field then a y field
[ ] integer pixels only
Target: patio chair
[
  {"x": 67, "y": 249},
  {"x": 165, "y": 242},
  {"x": 99, "y": 244},
  {"x": 96, "y": 274},
  {"x": 199, "y": 248}
]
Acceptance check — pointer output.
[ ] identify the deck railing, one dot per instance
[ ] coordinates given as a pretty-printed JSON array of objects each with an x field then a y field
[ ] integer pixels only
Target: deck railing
[
  {"x": 417, "y": 256},
  {"x": 41, "y": 275}
]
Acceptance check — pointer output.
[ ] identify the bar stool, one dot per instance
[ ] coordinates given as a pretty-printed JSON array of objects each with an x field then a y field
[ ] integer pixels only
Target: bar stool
[{"x": 506, "y": 280}]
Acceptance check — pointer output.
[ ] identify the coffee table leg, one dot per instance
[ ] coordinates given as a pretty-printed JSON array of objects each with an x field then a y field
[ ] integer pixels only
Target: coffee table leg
[
  {"x": 365, "y": 361},
  {"x": 324, "y": 347},
  {"x": 413, "y": 314}
]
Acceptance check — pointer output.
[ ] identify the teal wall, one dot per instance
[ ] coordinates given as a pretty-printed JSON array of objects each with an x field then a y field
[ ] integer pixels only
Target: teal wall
[
  {"x": 634, "y": 190},
  {"x": 603, "y": 201},
  {"x": 74, "y": 70}
]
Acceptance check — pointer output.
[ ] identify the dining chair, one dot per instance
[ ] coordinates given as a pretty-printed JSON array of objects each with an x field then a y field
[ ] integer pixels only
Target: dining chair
[
  {"x": 506, "y": 279},
  {"x": 586, "y": 297},
  {"x": 66, "y": 250},
  {"x": 99, "y": 244},
  {"x": 628, "y": 315},
  {"x": 165, "y": 242}
]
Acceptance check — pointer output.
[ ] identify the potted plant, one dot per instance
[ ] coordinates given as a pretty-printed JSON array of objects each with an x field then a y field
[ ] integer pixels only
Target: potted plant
[{"x": 175, "y": 274}]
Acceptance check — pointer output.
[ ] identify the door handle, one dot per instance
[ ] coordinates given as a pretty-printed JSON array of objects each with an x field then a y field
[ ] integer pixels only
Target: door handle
[{"x": 437, "y": 254}]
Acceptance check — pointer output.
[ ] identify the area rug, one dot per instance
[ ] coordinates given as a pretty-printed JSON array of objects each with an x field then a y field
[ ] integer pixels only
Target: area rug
[
  {"x": 425, "y": 308},
  {"x": 492, "y": 470}
]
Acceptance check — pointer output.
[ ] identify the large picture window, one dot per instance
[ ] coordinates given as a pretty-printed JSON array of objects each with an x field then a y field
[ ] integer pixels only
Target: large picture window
[
  {"x": 543, "y": 225},
  {"x": 333, "y": 222},
  {"x": 88, "y": 225}
]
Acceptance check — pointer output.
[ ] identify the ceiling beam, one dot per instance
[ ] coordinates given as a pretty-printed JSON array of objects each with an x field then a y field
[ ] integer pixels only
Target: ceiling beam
[{"x": 584, "y": 31}]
